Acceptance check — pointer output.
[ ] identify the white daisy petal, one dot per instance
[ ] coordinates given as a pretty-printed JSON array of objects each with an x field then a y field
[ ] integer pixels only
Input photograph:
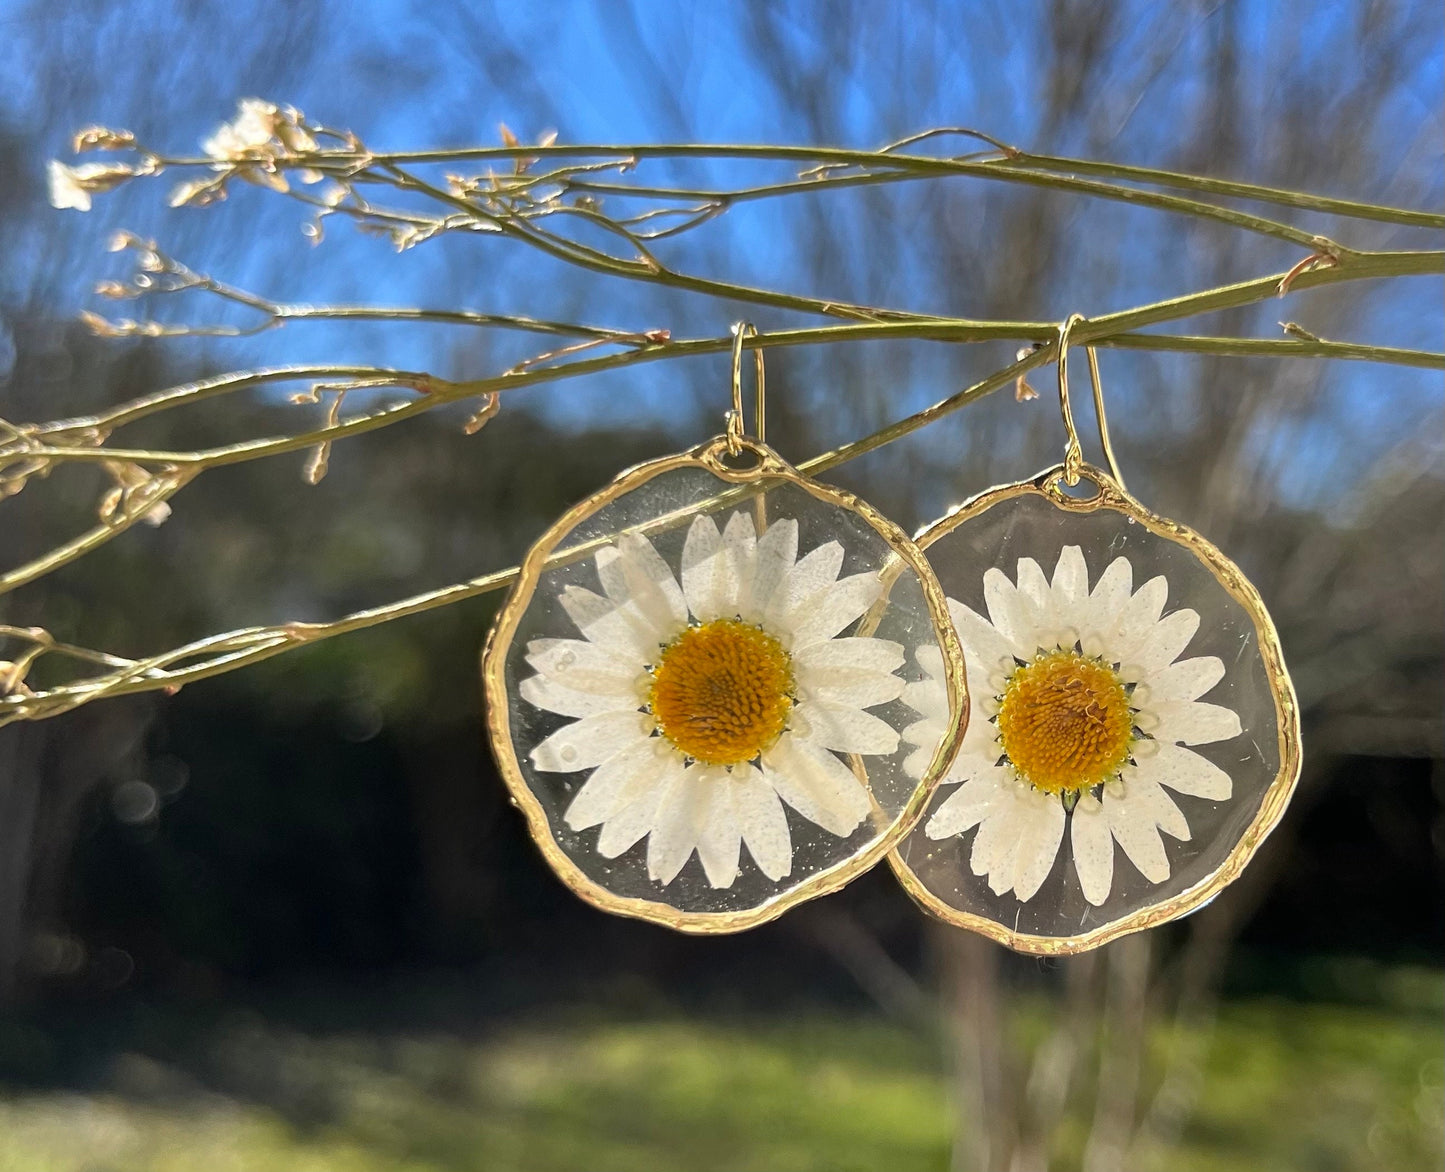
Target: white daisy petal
[
  {"x": 620, "y": 781},
  {"x": 852, "y": 672},
  {"x": 1192, "y": 722},
  {"x": 1140, "y": 788},
  {"x": 1035, "y": 587},
  {"x": 980, "y": 739},
  {"x": 625, "y": 828},
  {"x": 844, "y": 602},
  {"x": 970, "y": 804},
  {"x": 929, "y": 657},
  {"x": 921, "y": 732},
  {"x": 1187, "y": 679},
  {"x": 849, "y": 686},
  {"x": 928, "y": 698},
  {"x": 916, "y": 764},
  {"x": 986, "y": 650},
  {"x": 846, "y": 730},
  {"x": 719, "y": 839},
  {"x": 649, "y": 582},
  {"x": 806, "y": 585},
  {"x": 705, "y": 577},
  {"x": 816, "y": 784},
  {"x": 763, "y": 824},
  {"x": 586, "y": 743},
  {"x": 620, "y": 630},
  {"x": 609, "y": 563},
  {"x": 553, "y": 697},
  {"x": 584, "y": 666},
  {"x": 994, "y": 844},
  {"x": 1110, "y": 593},
  {"x": 1185, "y": 772},
  {"x": 1135, "y": 618},
  {"x": 1162, "y": 644},
  {"x": 776, "y": 552},
  {"x": 1093, "y": 848},
  {"x": 1038, "y": 845},
  {"x": 681, "y": 809},
  {"x": 649, "y": 616},
  {"x": 1134, "y": 828},
  {"x": 1013, "y": 615},
  {"x": 853, "y": 652},
  {"x": 1071, "y": 589},
  {"x": 740, "y": 542}
]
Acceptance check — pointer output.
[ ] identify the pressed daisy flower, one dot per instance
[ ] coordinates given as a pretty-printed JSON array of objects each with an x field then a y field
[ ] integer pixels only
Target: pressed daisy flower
[
  {"x": 1083, "y": 715},
  {"x": 701, "y": 702}
]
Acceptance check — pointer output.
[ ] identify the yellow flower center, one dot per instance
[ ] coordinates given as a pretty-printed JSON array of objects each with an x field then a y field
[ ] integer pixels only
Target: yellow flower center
[
  {"x": 722, "y": 692},
  {"x": 1065, "y": 722}
]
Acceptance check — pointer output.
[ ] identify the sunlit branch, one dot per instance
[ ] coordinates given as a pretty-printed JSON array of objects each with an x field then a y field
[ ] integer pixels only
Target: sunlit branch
[
  {"x": 1009, "y": 167},
  {"x": 525, "y": 205}
]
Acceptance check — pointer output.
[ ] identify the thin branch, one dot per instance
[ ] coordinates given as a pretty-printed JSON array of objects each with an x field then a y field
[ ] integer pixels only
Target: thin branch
[
  {"x": 253, "y": 644},
  {"x": 519, "y": 205},
  {"x": 1014, "y": 168},
  {"x": 1355, "y": 209},
  {"x": 436, "y": 392}
]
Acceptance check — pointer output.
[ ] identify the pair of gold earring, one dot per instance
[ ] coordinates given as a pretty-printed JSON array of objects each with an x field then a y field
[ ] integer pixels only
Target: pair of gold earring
[{"x": 720, "y": 688}]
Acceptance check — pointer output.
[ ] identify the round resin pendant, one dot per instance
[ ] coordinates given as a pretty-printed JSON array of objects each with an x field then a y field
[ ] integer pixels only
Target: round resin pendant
[
  {"x": 1134, "y": 734},
  {"x": 697, "y": 690}
]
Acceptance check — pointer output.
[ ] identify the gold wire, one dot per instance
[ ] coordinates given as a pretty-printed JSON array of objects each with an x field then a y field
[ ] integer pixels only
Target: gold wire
[
  {"x": 1073, "y": 451},
  {"x": 735, "y": 429},
  {"x": 1103, "y": 420}
]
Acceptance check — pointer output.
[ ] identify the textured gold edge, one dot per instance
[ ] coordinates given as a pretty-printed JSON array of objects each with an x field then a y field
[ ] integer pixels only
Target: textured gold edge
[
  {"x": 1276, "y": 798},
  {"x": 499, "y": 641}
]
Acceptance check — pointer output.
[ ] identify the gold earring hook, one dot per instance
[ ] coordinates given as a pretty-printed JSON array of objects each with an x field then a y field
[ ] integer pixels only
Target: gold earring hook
[
  {"x": 735, "y": 430},
  {"x": 1073, "y": 452}
]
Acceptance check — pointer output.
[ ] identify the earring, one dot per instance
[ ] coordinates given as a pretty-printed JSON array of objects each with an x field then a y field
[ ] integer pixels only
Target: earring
[
  {"x": 697, "y": 689},
  {"x": 1129, "y": 692}
]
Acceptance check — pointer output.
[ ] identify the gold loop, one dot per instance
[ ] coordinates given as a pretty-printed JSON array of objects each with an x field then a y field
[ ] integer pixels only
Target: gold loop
[
  {"x": 1073, "y": 452},
  {"x": 735, "y": 430}
]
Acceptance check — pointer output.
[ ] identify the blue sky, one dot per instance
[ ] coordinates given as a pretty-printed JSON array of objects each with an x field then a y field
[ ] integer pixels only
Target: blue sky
[{"x": 406, "y": 74}]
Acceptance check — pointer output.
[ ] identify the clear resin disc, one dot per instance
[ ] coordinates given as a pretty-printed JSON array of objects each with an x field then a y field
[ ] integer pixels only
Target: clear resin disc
[
  {"x": 697, "y": 690},
  {"x": 1134, "y": 733}
]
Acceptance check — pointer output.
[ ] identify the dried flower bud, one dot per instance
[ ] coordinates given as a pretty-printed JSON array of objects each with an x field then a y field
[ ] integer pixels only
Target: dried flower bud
[
  {"x": 72, "y": 187},
  {"x": 317, "y": 463},
  {"x": 114, "y": 290},
  {"x": 1022, "y": 391},
  {"x": 109, "y": 503},
  {"x": 198, "y": 193},
  {"x": 265, "y": 176},
  {"x": 135, "y": 490},
  {"x": 98, "y": 325},
  {"x": 12, "y": 678},
  {"x": 102, "y": 138},
  {"x": 251, "y": 130},
  {"x": 490, "y": 406}
]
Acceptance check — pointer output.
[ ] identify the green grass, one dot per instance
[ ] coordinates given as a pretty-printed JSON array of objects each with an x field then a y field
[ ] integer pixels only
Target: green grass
[{"x": 1287, "y": 1086}]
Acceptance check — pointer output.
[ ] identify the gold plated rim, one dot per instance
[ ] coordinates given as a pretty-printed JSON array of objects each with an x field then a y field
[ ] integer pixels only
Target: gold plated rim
[
  {"x": 1111, "y": 495},
  {"x": 768, "y": 466}
]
